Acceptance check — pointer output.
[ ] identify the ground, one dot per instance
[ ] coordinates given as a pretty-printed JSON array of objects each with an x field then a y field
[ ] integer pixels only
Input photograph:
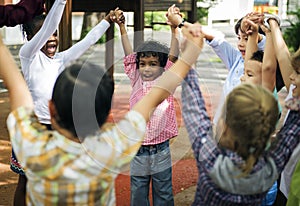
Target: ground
[{"x": 184, "y": 168}]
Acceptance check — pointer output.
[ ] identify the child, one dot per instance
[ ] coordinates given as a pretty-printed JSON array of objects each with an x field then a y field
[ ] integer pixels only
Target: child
[
  {"x": 291, "y": 174},
  {"x": 238, "y": 169},
  {"x": 222, "y": 47},
  {"x": 23, "y": 11},
  {"x": 260, "y": 69},
  {"x": 283, "y": 56},
  {"x": 41, "y": 65},
  {"x": 152, "y": 163},
  {"x": 62, "y": 166},
  {"x": 232, "y": 57}
]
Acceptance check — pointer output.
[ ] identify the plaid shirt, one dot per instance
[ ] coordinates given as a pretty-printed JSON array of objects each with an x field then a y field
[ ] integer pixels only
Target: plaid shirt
[
  {"x": 210, "y": 158},
  {"x": 162, "y": 125},
  {"x": 64, "y": 172}
]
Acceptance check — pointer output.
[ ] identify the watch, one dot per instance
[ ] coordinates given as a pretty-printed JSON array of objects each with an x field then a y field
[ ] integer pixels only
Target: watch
[{"x": 181, "y": 24}]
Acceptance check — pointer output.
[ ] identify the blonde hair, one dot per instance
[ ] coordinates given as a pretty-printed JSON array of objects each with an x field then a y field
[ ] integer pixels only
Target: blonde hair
[{"x": 251, "y": 113}]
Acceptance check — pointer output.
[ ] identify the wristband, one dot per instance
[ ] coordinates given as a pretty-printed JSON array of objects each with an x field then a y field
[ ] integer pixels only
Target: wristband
[{"x": 270, "y": 16}]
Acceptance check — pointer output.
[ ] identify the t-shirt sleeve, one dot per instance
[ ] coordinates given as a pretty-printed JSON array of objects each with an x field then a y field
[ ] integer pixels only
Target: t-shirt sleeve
[
  {"x": 24, "y": 130},
  {"x": 130, "y": 67}
]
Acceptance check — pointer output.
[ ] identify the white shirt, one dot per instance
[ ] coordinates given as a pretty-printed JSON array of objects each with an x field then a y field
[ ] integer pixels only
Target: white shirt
[{"x": 40, "y": 71}]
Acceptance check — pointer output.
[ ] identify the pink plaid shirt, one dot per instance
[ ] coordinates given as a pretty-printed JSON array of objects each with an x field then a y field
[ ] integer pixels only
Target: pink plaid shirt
[{"x": 162, "y": 125}]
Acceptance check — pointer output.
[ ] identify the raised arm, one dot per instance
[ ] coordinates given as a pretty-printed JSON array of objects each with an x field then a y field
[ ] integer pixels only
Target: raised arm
[
  {"x": 124, "y": 37},
  {"x": 75, "y": 51},
  {"x": 269, "y": 64},
  {"x": 49, "y": 26},
  {"x": 19, "y": 94},
  {"x": 281, "y": 51},
  {"x": 24, "y": 11},
  {"x": 174, "y": 45},
  {"x": 250, "y": 27},
  {"x": 168, "y": 82}
]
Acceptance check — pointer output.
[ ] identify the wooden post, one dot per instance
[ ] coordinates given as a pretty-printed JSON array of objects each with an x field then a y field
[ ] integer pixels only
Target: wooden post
[
  {"x": 138, "y": 23},
  {"x": 65, "y": 28},
  {"x": 109, "y": 50},
  {"x": 192, "y": 15}
]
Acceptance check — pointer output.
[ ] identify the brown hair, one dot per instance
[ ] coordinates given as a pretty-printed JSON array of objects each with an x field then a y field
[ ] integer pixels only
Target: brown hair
[
  {"x": 251, "y": 113},
  {"x": 295, "y": 61}
]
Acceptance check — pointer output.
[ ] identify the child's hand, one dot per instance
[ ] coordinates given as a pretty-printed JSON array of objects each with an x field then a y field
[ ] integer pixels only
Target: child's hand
[
  {"x": 116, "y": 16},
  {"x": 193, "y": 36},
  {"x": 249, "y": 24},
  {"x": 174, "y": 16},
  {"x": 194, "y": 29}
]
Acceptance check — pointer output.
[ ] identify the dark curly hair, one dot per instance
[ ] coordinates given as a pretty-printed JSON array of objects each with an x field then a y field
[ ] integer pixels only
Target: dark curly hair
[{"x": 155, "y": 49}]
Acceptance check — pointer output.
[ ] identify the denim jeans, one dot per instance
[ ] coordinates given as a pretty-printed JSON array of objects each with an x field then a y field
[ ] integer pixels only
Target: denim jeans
[
  {"x": 271, "y": 196},
  {"x": 152, "y": 164}
]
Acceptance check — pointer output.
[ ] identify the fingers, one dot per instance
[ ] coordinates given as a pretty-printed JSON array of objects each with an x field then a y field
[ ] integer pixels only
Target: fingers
[{"x": 117, "y": 16}]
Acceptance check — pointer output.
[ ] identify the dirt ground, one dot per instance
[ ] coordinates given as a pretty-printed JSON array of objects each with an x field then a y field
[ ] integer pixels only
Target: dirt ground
[{"x": 184, "y": 167}]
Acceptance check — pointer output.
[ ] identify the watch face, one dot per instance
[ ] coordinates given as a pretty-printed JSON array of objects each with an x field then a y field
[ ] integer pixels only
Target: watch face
[{"x": 181, "y": 24}]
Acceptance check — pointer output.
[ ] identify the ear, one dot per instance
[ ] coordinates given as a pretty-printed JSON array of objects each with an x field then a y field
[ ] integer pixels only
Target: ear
[{"x": 52, "y": 109}]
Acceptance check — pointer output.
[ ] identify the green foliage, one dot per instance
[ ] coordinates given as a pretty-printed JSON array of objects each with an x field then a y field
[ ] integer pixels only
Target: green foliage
[
  {"x": 156, "y": 20},
  {"x": 87, "y": 30},
  {"x": 291, "y": 34},
  {"x": 202, "y": 14}
]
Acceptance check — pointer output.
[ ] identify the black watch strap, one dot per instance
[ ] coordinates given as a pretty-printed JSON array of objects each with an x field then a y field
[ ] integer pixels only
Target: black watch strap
[{"x": 181, "y": 24}]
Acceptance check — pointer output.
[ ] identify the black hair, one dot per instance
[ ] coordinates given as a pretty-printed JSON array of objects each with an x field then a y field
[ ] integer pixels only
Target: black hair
[
  {"x": 32, "y": 27},
  {"x": 237, "y": 27},
  {"x": 155, "y": 49},
  {"x": 82, "y": 97},
  {"x": 257, "y": 56}
]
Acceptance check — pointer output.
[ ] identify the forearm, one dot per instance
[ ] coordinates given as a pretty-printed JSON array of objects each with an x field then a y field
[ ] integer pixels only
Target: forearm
[
  {"x": 82, "y": 46},
  {"x": 125, "y": 40},
  {"x": 281, "y": 52},
  {"x": 251, "y": 46},
  {"x": 174, "y": 48},
  {"x": 49, "y": 26},
  {"x": 18, "y": 92},
  {"x": 193, "y": 110},
  {"x": 269, "y": 65}
]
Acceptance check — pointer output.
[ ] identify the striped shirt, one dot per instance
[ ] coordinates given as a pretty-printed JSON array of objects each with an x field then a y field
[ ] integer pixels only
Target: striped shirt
[
  {"x": 162, "y": 125},
  {"x": 218, "y": 184},
  {"x": 64, "y": 172}
]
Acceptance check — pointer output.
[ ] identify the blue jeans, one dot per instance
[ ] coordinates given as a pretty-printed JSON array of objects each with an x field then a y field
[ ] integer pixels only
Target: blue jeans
[
  {"x": 271, "y": 196},
  {"x": 152, "y": 164}
]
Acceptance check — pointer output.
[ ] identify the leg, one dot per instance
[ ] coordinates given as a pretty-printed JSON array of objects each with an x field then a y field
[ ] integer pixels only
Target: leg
[
  {"x": 139, "y": 186},
  {"x": 161, "y": 169},
  {"x": 20, "y": 193},
  {"x": 162, "y": 192},
  {"x": 140, "y": 178}
]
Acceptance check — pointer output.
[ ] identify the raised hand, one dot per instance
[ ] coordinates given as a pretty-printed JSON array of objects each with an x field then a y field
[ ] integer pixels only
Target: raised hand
[
  {"x": 174, "y": 16},
  {"x": 250, "y": 23},
  {"x": 116, "y": 16}
]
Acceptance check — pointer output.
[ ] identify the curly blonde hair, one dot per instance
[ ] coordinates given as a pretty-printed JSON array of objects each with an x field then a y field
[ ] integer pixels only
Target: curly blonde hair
[{"x": 251, "y": 113}]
